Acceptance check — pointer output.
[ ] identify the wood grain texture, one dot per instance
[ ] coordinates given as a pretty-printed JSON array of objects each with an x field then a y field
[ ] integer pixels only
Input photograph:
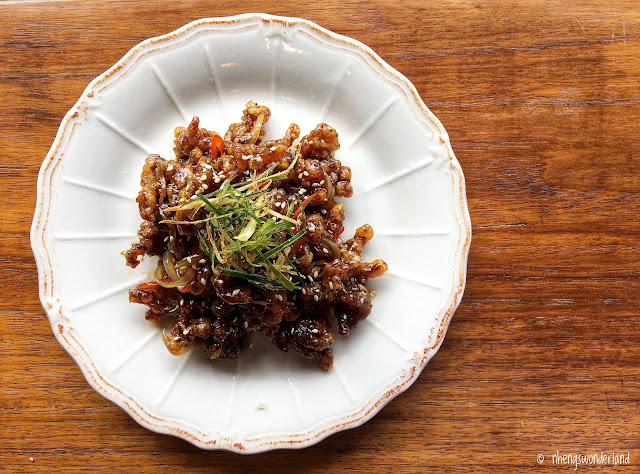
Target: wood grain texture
[{"x": 541, "y": 101}]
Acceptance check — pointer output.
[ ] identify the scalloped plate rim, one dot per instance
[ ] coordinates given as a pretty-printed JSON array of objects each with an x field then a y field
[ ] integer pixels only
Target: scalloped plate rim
[{"x": 64, "y": 333}]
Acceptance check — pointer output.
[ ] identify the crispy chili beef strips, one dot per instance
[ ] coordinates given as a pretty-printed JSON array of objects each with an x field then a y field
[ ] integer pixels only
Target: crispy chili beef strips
[{"x": 326, "y": 281}]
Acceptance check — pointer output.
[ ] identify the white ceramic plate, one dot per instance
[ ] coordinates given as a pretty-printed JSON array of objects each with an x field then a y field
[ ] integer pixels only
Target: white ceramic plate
[{"x": 407, "y": 184}]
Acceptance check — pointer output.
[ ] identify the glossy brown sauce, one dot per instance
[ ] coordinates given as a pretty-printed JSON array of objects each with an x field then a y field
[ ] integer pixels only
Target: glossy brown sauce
[{"x": 220, "y": 311}]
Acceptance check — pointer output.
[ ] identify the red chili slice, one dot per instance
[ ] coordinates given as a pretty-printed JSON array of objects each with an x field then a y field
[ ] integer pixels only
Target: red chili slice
[
  {"x": 147, "y": 286},
  {"x": 217, "y": 143}
]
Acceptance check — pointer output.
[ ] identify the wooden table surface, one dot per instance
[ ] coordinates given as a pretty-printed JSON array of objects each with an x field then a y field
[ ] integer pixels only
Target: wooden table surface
[{"x": 542, "y": 104}]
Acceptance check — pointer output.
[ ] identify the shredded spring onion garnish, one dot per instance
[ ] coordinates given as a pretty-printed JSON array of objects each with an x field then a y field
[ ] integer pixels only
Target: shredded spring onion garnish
[{"x": 241, "y": 233}]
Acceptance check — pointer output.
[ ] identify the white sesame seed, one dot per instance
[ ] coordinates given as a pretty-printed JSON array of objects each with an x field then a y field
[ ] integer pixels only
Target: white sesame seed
[
  {"x": 170, "y": 168},
  {"x": 235, "y": 292},
  {"x": 203, "y": 281},
  {"x": 185, "y": 332},
  {"x": 189, "y": 259},
  {"x": 139, "y": 257},
  {"x": 273, "y": 148},
  {"x": 312, "y": 227},
  {"x": 246, "y": 324},
  {"x": 315, "y": 297},
  {"x": 235, "y": 320},
  {"x": 283, "y": 204},
  {"x": 306, "y": 173},
  {"x": 315, "y": 274},
  {"x": 181, "y": 301},
  {"x": 331, "y": 285},
  {"x": 204, "y": 186},
  {"x": 208, "y": 166},
  {"x": 315, "y": 331},
  {"x": 324, "y": 211},
  {"x": 203, "y": 177},
  {"x": 291, "y": 330},
  {"x": 302, "y": 191},
  {"x": 202, "y": 260},
  {"x": 171, "y": 238},
  {"x": 314, "y": 185},
  {"x": 321, "y": 182},
  {"x": 300, "y": 176},
  {"x": 304, "y": 292},
  {"x": 219, "y": 282},
  {"x": 222, "y": 176},
  {"x": 325, "y": 251},
  {"x": 217, "y": 180},
  {"x": 166, "y": 238},
  {"x": 310, "y": 277},
  {"x": 279, "y": 297}
]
